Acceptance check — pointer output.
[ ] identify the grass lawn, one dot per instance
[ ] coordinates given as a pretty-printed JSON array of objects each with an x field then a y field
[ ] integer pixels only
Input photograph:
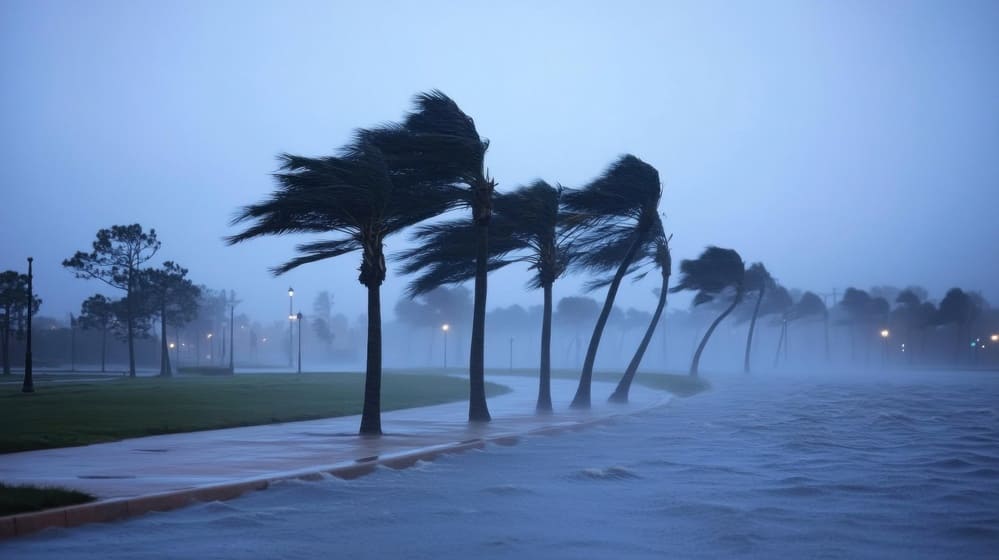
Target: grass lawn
[
  {"x": 22, "y": 499},
  {"x": 67, "y": 414}
]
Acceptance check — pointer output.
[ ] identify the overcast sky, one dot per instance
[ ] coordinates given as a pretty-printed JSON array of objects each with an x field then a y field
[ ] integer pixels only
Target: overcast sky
[{"x": 841, "y": 143}]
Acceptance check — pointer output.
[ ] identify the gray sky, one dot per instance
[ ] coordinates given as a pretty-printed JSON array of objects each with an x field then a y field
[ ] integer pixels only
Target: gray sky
[{"x": 842, "y": 143}]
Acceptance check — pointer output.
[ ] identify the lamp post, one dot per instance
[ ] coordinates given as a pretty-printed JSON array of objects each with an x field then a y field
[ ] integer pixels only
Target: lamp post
[
  {"x": 29, "y": 381},
  {"x": 445, "y": 327},
  {"x": 885, "y": 333},
  {"x": 291, "y": 323},
  {"x": 299, "y": 319},
  {"x": 232, "y": 331}
]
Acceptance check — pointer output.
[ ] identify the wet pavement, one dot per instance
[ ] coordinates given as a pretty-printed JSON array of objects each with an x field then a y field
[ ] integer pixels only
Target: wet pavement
[{"x": 179, "y": 462}]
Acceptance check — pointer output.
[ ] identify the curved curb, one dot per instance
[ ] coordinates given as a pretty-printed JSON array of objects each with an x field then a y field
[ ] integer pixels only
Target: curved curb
[{"x": 120, "y": 508}]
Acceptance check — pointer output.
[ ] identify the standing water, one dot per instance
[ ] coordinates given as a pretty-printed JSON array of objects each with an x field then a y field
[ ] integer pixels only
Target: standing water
[{"x": 895, "y": 466}]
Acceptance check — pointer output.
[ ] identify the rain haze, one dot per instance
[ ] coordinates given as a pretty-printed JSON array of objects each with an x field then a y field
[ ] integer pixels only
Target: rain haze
[
  {"x": 848, "y": 143},
  {"x": 559, "y": 279}
]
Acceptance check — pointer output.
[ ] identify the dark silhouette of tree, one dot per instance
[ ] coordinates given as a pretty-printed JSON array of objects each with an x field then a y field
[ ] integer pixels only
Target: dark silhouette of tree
[
  {"x": 915, "y": 315},
  {"x": 116, "y": 259},
  {"x": 856, "y": 304},
  {"x": 617, "y": 215},
  {"x": 663, "y": 261},
  {"x": 525, "y": 228},
  {"x": 14, "y": 309},
  {"x": 715, "y": 273},
  {"x": 758, "y": 281},
  {"x": 168, "y": 294},
  {"x": 322, "y": 317},
  {"x": 98, "y": 313},
  {"x": 354, "y": 196},
  {"x": 809, "y": 306},
  {"x": 779, "y": 302},
  {"x": 437, "y": 144},
  {"x": 958, "y": 308}
]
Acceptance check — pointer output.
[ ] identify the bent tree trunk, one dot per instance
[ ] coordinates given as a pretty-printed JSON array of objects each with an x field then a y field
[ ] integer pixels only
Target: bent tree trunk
[
  {"x": 620, "y": 394},
  {"x": 371, "y": 414},
  {"x": 545, "y": 372},
  {"x": 582, "y": 398},
  {"x": 707, "y": 335},
  {"x": 478, "y": 410},
  {"x": 780, "y": 342},
  {"x": 752, "y": 327}
]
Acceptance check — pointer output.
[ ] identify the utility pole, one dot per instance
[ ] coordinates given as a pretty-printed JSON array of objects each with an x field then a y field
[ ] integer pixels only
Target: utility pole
[{"x": 29, "y": 380}]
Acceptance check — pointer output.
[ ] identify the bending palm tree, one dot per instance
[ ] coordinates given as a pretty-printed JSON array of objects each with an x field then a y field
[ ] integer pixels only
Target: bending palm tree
[
  {"x": 757, "y": 280},
  {"x": 437, "y": 144},
  {"x": 663, "y": 261},
  {"x": 618, "y": 213},
  {"x": 714, "y": 272},
  {"x": 524, "y": 228},
  {"x": 354, "y": 196}
]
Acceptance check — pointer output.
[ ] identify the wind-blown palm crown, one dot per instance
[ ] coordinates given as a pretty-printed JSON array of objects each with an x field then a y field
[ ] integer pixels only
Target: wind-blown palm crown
[
  {"x": 353, "y": 195},
  {"x": 714, "y": 272},
  {"x": 616, "y": 215}
]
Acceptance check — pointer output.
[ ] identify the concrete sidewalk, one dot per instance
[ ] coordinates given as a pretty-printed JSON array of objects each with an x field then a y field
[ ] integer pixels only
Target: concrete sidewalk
[{"x": 176, "y": 469}]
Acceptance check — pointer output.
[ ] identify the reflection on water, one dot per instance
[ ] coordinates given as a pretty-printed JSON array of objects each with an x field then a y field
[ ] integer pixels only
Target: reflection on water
[{"x": 895, "y": 466}]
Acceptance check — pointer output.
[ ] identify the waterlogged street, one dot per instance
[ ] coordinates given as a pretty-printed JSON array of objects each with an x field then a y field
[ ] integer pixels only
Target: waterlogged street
[{"x": 891, "y": 465}]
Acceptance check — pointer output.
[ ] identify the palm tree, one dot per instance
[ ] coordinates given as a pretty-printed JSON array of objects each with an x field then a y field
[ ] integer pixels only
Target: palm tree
[
  {"x": 437, "y": 144},
  {"x": 662, "y": 260},
  {"x": 758, "y": 280},
  {"x": 713, "y": 273},
  {"x": 355, "y": 197},
  {"x": 616, "y": 214},
  {"x": 809, "y": 306},
  {"x": 524, "y": 228}
]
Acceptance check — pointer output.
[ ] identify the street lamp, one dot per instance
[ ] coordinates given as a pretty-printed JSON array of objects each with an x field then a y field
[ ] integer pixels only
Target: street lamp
[
  {"x": 445, "y": 327},
  {"x": 994, "y": 338},
  {"x": 299, "y": 319},
  {"x": 291, "y": 324},
  {"x": 884, "y": 333}
]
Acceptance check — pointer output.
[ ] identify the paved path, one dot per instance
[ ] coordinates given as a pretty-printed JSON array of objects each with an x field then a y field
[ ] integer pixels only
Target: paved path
[{"x": 179, "y": 462}]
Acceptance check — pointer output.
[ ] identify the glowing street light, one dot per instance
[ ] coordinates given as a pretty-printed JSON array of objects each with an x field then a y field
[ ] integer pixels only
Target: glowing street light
[
  {"x": 884, "y": 333},
  {"x": 445, "y": 327},
  {"x": 172, "y": 346},
  {"x": 994, "y": 338},
  {"x": 291, "y": 323}
]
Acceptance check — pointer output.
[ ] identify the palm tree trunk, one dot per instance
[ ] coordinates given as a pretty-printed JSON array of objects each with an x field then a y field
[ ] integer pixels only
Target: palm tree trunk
[
  {"x": 478, "y": 410},
  {"x": 752, "y": 327},
  {"x": 620, "y": 394},
  {"x": 371, "y": 414},
  {"x": 707, "y": 335},
  {"x": 545, "y": 373},
  {"x": 582, "y": 398}
]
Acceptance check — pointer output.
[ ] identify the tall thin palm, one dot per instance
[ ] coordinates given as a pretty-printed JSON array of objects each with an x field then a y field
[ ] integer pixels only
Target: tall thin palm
[
  {"x": 716, "y": 272},
  {"x": 758, "y": 281},
  {"x": 662, "y": 260},
  {"x": 353, "y": 196},
  {"x": 437, "y": 144},
  {"x": 617, "y": 215},
  {"x": 525, "y": 228}
]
